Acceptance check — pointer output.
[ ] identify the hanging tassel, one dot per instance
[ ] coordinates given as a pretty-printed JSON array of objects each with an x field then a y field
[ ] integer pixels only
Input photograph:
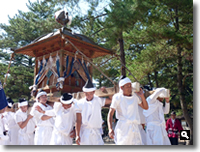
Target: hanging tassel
[
  {"x": 44, "y": 61},
  {"x": 50, "y": 62},
  {"x": 57, "y": 57},
  {"x": 58, "y": 64},
  {"x": 75, "y": 56},
  {"x": 82, "y": 60},
  {"x": 88, "y": 64},
  {"x": 39, "y": 64}
]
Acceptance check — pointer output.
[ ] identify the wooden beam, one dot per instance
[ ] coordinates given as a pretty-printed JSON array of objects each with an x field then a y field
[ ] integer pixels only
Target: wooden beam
[{"x": 54, "y": 97}]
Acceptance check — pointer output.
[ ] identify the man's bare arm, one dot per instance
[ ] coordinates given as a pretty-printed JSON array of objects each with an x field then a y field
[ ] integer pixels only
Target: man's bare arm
[
  {"x": 78, "y": 127},
  {"x": 144, "y": 103},
  {"x": 109, "y": 121}
]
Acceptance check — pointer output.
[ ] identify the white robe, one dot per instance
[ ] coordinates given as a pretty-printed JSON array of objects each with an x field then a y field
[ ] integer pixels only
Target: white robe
[
  {"x": 155, "y": 131},
  {"x": 44, "y": 129},
  {"x": 142, "y": 121},
  {"x": 90, "y": 132},
  {"x": 26, "y": 135},
  {"x": 127, "y": 128},
  {"x": 12, "y": 127},
  {"x": 3, "y": 138},
  {"x": 64, "y": 123}
]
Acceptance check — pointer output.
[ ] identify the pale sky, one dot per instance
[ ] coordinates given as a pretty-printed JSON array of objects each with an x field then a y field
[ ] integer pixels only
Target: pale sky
[{"x": 11, "y": 7}]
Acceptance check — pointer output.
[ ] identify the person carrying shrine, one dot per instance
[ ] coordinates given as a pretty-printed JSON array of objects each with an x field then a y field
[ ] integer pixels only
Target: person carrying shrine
[
  {"x": 173, "y": 127},
  {"x": 3, "y": 105},
  {"x": 44, "y": 123},
  {"x": 65, "y": 118},
  {"x": 125, "y": 103},
  {"x": 26, "y": 123},
  {"x": 10, "y": 125},
  {"x": 89, "y": 119},
  {"x": 155, "y": 121}
]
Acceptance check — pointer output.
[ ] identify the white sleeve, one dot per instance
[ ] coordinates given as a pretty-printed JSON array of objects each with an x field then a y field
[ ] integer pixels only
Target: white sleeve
[
  {"x": 50, "y": 113},
  {"x": 139, "y": 100},
  {"x": 103, "y": 101},
  {"x": 152, "y": 98},
  {"x": 78, "y": 107},
  {"x": 32, "y": 112},
  {"x": 115, "y": 101},
  {"x": 2, "y": 137},
  {"x": 166, "y": 108},
  {"x": 35, "y": 113},
  {"x": 18, "y": 118},
  {"x": 6, "y": 119}
]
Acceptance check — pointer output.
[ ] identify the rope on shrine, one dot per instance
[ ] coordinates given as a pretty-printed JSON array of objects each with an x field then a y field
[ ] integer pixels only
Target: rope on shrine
[
  {"x": 67, "y": 62},
  {"x": 11, "y": 58},
  {"x": 90, "y": 61},
  {"x": 85, "y": 69}
]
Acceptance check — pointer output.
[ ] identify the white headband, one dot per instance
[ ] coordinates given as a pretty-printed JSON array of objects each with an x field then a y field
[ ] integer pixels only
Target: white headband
[
  {"x": 40, "y": 94},
  {"x": 88, "y": 89},
  {"x": 124, "y": 81},
  {"x": 24, "y": 103},
  {"x": 66, "y": 101},
  {"x": 10, "y": 104}
]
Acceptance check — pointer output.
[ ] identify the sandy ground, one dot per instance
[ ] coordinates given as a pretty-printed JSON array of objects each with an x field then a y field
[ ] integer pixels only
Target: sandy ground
[{"x": 108, "y": 141}]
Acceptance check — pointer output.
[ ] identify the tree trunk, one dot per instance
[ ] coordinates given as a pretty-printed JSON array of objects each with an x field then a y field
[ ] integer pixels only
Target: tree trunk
[
  {"x": 156, "y": 78},
  {"x": 122, "y": 54},
  {"x": 150, "y": 83},
  {"x": 181, "y": 89}
]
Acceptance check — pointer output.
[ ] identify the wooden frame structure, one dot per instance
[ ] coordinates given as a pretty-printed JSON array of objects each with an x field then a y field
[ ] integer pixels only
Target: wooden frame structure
[{"x": 55, "y": 45}]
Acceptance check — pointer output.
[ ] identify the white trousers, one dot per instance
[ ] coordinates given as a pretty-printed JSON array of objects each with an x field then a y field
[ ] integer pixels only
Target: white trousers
[
  {"x": 59, "y": 138},
  {"x": 90, "y": 136},
  {"x": 127, "y": 133},
  {"x": 43, "y": 135},
  {"x": 156, "y": 134}
]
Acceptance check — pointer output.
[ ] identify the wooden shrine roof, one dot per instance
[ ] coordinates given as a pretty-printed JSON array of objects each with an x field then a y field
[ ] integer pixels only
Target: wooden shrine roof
[{"x": 57, "y": 41}]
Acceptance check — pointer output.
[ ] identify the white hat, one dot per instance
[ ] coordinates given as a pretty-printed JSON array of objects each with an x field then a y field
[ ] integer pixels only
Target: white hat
[
  {"x": 22, "y": 102},
  {"x": 124, "y": 81},
  {"x": 40, "y": 93},
  {"x": 66, "y": 98},
  {"x": 89, "y": 87}
]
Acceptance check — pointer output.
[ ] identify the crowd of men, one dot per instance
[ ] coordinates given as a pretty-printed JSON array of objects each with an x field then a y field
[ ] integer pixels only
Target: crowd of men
[{"x": 81, "y": 120}]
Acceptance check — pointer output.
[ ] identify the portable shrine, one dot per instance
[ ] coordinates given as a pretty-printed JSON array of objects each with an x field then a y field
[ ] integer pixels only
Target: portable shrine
[{"x": 63, "y": 62}]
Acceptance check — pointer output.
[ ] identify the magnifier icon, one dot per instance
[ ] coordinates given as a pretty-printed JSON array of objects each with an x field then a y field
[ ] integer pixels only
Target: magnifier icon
[{"x": 184, "y": 134}]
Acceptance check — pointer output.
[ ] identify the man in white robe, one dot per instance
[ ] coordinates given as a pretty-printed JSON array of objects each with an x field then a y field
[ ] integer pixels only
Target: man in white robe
[
  {"x": 65, "y": 118},
  {"x": 89, "y": 118},
  {"x": 44, "y": 123},
  {"x": 125, "y": 103},
  {"x": 155, "y": 131},
  {"x": 26, "y": 123},
  {"x": 3, "y": 138},
  {"x": 3, "y": 105},
  {"x": 10, "y": 125}
]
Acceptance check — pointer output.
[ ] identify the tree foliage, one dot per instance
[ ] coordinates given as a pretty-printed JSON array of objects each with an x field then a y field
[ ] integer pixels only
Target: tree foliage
[{"x": 156, "y": 37}]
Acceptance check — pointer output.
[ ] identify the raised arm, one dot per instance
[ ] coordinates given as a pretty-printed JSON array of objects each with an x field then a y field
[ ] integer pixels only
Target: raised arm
[
  {"x": 144, "y": 103},
  {"x": 152, "y": 98}
]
